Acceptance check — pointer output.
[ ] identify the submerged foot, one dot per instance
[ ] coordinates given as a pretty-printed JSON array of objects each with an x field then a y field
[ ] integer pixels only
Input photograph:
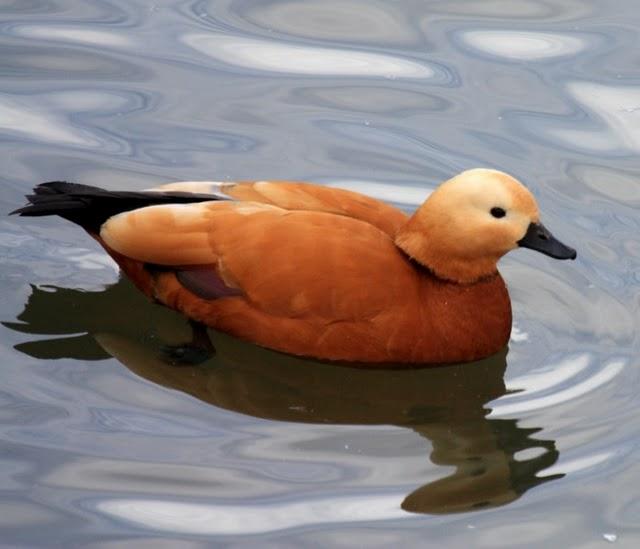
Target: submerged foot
[
  {"x": 198, "y": 350},
  {"x": 186, "y": 355}
]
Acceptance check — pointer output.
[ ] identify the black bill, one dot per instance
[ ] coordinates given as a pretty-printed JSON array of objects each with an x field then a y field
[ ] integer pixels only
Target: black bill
[{"x": 540, "y": 239}]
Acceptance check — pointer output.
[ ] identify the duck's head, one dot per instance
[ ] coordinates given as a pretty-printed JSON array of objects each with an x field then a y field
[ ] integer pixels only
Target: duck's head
[{"x": 469, "y": 222}]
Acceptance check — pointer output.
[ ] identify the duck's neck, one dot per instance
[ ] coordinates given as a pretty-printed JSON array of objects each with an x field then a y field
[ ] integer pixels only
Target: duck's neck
[{"x": 429, "y": 246}]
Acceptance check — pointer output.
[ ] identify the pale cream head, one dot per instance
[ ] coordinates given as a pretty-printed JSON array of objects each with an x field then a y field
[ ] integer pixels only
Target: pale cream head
[{"x": 460, "y": 233}]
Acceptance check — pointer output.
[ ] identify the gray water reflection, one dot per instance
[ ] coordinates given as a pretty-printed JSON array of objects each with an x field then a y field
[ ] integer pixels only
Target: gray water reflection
[
  {"x": 444, "y": 405},
  {"x": 394, "y": 98},
  {"x": 522, "y": 45}
]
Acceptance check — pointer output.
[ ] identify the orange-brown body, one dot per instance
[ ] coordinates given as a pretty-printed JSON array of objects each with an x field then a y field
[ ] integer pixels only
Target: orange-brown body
[
  {"x": 315, "y": 283},
  {"x": 322, "y": 272},
  {"x": 430, "y": 322}
]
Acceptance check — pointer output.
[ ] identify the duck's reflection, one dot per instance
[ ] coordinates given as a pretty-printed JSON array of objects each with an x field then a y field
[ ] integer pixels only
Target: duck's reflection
[{"x": 446, "y": 405}]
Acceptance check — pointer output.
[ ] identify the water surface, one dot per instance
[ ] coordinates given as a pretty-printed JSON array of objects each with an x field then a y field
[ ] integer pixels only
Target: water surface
[{"x": 106, "y": 443}]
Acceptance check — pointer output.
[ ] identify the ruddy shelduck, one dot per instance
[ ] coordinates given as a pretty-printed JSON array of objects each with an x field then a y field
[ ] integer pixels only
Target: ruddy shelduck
[{"x": 317, "y": 271}]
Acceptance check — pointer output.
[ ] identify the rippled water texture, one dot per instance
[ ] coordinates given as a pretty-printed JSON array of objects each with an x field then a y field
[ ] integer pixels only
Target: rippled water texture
[{"x": 105, "y": 444}]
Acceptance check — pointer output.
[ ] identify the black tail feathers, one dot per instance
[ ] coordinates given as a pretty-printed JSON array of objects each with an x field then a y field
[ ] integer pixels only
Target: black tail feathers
[
  {"x": 57, "y": 198},
  {"x": 90, "y": 207}
]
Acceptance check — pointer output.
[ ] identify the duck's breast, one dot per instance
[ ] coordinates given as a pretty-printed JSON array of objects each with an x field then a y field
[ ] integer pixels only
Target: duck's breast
[{"x": 460, "y": 322}]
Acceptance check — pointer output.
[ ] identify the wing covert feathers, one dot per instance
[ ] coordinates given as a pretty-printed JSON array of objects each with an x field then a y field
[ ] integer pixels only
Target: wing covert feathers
[
  {"x": 180, "y": 234},
  {"x": 292, "y": 195},
  {"x": 253, "y": 247}
]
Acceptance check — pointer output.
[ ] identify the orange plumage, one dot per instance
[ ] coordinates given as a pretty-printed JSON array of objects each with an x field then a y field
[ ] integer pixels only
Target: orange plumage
[{"x": 329, "y": 273}]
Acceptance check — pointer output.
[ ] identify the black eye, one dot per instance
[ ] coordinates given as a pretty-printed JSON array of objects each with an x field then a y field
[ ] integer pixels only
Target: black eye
[{"x": 498, "y": 212}]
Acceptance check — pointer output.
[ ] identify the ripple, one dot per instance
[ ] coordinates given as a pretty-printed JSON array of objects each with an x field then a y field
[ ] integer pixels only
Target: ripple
[
  {"x": 126, "y": 421},
  {"x": 72, "y": 34},
  {"x": 395, "y": 148},
  {"x": 63, "y": 63},
  {"x": 152, "y": 478},
  {"x": 576, "y": 308},
  {"x": 618, "y": 107},
  {"x": 71, "y": 118},
  {"x": 32, "y": 515},
  {"x": 386, "y": 98},
  {"x": 22, "y": 411},
  {"x": 605, "y": 120},
  {"x": 87, "y": 259},
  {"x": 397, "y": 193},
  {"x": 550, "y": 376},
  {"x": 281, "y": 57},
  {"x": 77, "y": 100},
  {"x": 509, "y": 10},
  {"x": 579, "y": 464},
  {"x": 541, "y": 382},
  {"x": 211, "y": 519},
  {"x": 23, "y": 7},
  {"x": 56, "y": 261},
  {"x": 23, "y": 116},
  {"x": 343, "y": 20},
  {"x": 618, "y": 185},
  {"x": 522, "y": 45}
]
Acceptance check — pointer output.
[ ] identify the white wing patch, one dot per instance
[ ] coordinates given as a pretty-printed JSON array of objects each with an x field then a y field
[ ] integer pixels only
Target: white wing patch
[{"x": 215, "y": 188}]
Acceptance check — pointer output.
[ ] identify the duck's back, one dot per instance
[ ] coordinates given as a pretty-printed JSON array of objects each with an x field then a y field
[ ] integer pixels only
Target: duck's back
[{"x": 300, "y": 196}]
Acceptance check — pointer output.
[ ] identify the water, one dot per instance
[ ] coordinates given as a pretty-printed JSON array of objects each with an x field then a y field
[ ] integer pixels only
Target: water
[{"x": 104, "y": 444}]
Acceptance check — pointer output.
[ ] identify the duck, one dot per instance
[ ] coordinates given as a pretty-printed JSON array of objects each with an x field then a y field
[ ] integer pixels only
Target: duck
[{"x": 318, "y": 271}]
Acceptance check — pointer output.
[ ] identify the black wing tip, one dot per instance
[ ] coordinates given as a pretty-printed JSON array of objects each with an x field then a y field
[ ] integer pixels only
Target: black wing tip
[
  {"x": 48, "y": 187},
  {"x": 90, "y": 206},
  {"x": 64, "y": 187},
  {"x": 39, "y": 202},
  {"x": 37, "y": 209}
]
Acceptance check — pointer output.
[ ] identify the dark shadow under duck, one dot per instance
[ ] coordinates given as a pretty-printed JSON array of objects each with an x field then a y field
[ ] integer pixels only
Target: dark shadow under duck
[{"x": 446, "y": 405}]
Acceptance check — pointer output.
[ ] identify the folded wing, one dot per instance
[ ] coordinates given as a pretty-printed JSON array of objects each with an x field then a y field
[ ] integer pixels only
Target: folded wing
[
  {"x": 292, "y": 195},
  {"x": 287, "y": 263}
]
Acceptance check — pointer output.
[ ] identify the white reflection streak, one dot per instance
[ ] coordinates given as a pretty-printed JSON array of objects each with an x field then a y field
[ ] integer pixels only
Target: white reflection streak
[
  {"x": 25, "y": 119},
  {"x": 268, "y": 55},
  {"x": 518, "y": 335},
  {"x": 200, "y": 518},
  {"x": 402, "y": 194},
  {"x": 605, "y": 375},
  {"x": 523, "y": 45},
  {"x": 616, "y": 106},
  {"x": 547, "y": 378},
  {"x": 575, "y": 465},
  {"x": 87, "y": 259},
  {"x": 71, "y": 34}
]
